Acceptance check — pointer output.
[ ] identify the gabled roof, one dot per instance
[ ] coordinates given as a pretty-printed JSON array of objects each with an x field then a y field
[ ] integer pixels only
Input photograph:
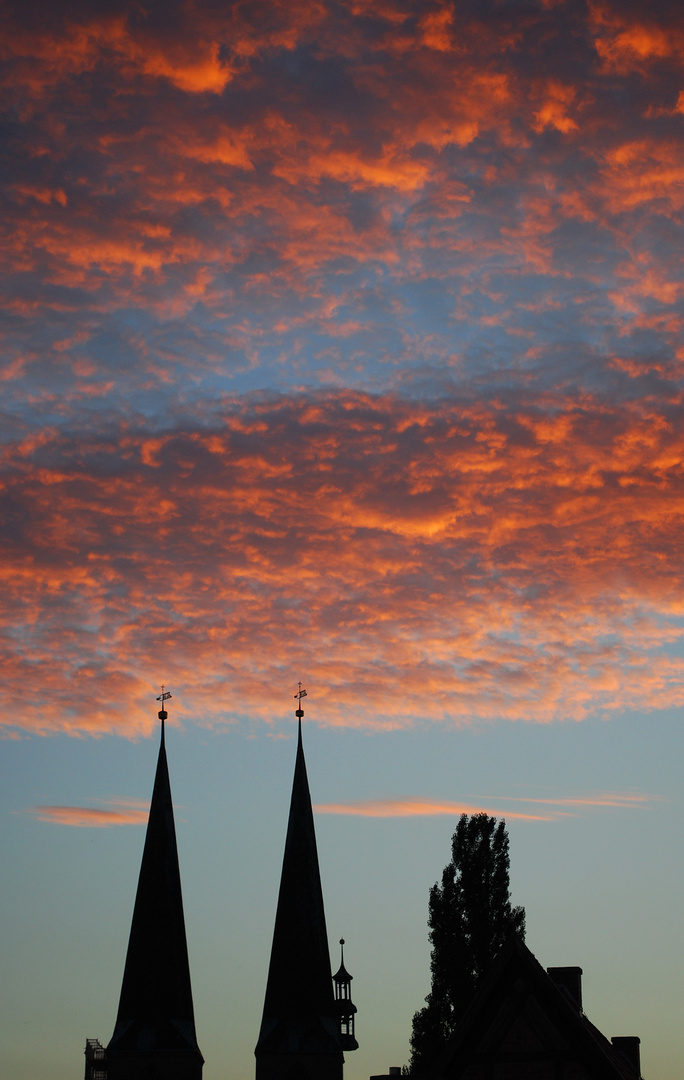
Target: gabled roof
[
  {"x": 155, "y": 1007},
  {"x": 520, "y": 1018},
  {"x": 299, "y": 1008}
]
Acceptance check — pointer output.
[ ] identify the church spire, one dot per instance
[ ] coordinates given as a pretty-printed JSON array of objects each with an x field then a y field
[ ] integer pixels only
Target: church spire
[
  {"x": 155, "y": 1025},
  {"x": 300, "y": 1027}
]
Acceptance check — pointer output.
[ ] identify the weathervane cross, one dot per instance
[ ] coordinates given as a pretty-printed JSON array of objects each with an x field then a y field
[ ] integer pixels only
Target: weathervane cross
[
  {"x": 163, "y": 697},
  {"x": 299, "y": 712}
]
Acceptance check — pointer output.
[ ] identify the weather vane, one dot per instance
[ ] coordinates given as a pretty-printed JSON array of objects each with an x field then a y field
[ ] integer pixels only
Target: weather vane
[
  {"x": 163, "y": 697},
  {"x": 299, "y": 712}
]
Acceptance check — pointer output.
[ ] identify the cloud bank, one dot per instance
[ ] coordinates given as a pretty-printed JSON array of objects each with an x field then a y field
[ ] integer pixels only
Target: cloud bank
[
  {"x": 210, "y": 199},
  {"x": 341, "y": 342},
  {"x": 443, "y": 562}
]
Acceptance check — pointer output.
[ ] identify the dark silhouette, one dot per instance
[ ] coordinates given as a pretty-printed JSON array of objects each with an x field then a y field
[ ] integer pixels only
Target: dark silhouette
[
  {"x": 300, "y": 1032},
  {"x": 470, "y": 920},
  {"x": 345, "y": 1006},
  {"x": 154, "y": 1034},
  {"x": 525, "y": 1022}
]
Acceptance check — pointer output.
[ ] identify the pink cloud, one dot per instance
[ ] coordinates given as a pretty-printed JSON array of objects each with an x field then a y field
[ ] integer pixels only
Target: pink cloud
[
  {"x": 448, "y": 561},
  {"x": 189, "y": 217},
  {"x": 414, "y": 806},
  {"x": 126, "y": 812},
  {"x": 615, "y": 800}
]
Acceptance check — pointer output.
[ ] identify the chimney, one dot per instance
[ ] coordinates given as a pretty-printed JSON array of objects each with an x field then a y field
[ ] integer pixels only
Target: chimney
[
  {"x": 569, "y": 980},
  {"x": 628, "y": 1046}
]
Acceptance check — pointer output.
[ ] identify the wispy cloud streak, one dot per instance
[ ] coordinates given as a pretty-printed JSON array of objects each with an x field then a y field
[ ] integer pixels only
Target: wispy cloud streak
[
  {"x": 123, "y": 812},
  {"x": 414, "y": 806}
]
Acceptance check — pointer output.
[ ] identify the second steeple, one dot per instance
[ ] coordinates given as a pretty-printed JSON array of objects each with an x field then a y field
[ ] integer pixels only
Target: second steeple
[{"x": 300, "y": 1029}]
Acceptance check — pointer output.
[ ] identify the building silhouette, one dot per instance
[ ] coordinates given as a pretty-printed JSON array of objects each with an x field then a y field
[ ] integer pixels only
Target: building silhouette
[
  {"x": 154, "y": 1035},
  {"x": 525, "y": 1023},
  {"x": 305, "y": 1027},
  {"x": 306, "y": 1024}
]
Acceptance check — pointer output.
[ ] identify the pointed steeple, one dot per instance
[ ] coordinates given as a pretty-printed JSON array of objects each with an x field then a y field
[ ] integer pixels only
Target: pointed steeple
[
  {"x": 155, "y": 1025},
  {"x": 300, "y": 1027}
]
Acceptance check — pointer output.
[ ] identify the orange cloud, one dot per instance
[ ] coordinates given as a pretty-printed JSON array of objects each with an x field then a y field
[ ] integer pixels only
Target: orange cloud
[
  {"x": 644, "y": 171},
  {"x": 130, "y": 812},
  {"x": 191, "y": 51},
  {"x": 440, "y": 203},
  {"x": 428, "y": 87},
  {"x": 41, "y": 59},
  {"x": 417, "y": 807},
  {"x": 610, "y": 801},
  {"x": 526, "y": 563},
  {"x": 414, "y": 807},
  {"x": 627, "y": 43},
  {"x": 435, "y": 27},
  {"x": 556, "y": 107}
]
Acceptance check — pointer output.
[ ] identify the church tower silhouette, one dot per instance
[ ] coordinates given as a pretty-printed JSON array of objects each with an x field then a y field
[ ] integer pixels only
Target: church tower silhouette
[
  {"x": 305, "y": 1026},
  {"x": 300, "y": 1036},
  {"x": 154, "y": 1037}
]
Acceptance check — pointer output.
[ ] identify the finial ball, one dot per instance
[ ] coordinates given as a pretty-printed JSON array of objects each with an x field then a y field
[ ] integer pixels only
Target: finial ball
[{"x": 341, "y": 941}]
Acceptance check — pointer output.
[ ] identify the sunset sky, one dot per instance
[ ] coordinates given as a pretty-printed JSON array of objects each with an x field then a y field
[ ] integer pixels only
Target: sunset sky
[{"x": 342, "y": 342}]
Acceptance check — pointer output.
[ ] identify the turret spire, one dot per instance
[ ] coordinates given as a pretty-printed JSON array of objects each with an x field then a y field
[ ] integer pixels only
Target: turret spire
[
  {"x": 345, "y": 1006},
  {"x": 300, "y": 1028},
  {"x": 155, "y": 1025}
]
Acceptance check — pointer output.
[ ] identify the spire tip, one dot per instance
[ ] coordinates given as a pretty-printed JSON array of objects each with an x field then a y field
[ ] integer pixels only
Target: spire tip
[
  {"x": 299, "y": 712},
  {"x": 162, "y": 714}
]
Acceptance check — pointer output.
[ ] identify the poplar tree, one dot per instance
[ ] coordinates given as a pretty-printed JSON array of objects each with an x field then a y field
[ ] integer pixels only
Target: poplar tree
[{"x": 470, "y": 918}]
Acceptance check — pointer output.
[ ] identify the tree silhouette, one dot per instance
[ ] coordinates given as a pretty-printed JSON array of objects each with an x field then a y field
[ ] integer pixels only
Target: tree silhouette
[{"x": 470, "y": 918}]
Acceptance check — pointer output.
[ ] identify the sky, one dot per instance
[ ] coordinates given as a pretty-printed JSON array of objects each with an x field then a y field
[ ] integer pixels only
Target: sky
[{"x": 340, "y": 342}]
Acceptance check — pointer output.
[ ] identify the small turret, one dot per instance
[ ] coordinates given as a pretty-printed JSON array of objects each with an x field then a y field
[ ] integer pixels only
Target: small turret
[{"x": 345, "y": 1005}]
